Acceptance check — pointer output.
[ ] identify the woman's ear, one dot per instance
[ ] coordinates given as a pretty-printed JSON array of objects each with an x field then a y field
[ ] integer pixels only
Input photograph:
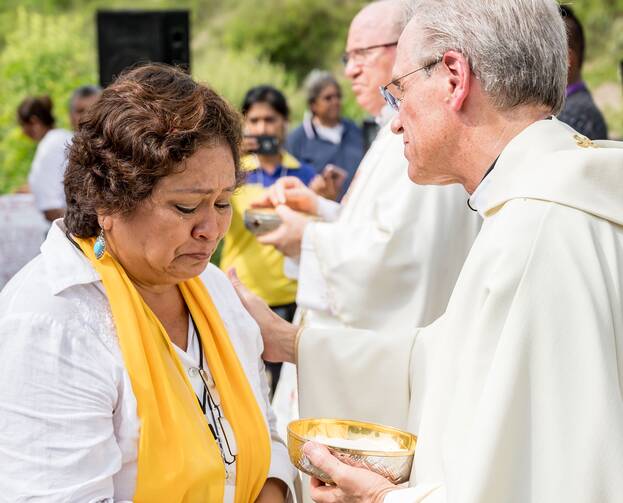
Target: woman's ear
[{"x": 105, "y": 222}]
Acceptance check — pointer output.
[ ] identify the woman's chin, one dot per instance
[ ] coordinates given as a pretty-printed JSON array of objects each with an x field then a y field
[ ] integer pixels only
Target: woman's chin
[{"x": 188, "y": 267}]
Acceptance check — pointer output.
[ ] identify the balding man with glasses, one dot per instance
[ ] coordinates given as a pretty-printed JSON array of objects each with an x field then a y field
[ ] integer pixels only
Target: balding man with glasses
[{"x": 346, "y": 276}]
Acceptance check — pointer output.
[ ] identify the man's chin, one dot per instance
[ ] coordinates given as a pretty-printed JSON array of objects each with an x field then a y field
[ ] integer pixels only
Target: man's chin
[{"x": 416, "y": 175}]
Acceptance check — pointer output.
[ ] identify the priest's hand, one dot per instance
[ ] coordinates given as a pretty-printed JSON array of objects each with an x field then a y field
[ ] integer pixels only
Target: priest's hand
[
  {"x": 292, "y": 192},
  {"x": 279, "y": 336},
  {"x": 288, "y": 236},
  {"x": 352, "y": 485}
]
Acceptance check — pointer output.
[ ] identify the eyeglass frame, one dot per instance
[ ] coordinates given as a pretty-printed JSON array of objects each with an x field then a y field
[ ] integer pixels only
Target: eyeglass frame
[
  {"x": 363, "y": 50},
  {"x": 218, "y": 420},
  {"x": 390, "y": 99}
]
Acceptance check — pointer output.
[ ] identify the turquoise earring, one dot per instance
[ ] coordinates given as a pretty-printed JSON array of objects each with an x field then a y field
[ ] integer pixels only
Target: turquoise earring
[{"x": 100, "y": 245}]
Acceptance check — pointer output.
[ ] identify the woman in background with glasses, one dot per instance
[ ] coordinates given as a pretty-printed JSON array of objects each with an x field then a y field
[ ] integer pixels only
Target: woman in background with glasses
[
  {"x": 325, "y": 139},
  {"x": 129, "y": 369}
]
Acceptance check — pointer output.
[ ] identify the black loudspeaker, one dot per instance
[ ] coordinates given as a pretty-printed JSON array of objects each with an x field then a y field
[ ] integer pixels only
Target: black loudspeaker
[{"x": 128, "y": 38}]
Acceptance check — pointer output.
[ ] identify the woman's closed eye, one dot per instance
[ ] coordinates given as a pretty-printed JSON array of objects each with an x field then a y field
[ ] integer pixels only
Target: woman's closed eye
[
  {"x": 222, "y": 205},
  {"x": 185, "y": 209}
]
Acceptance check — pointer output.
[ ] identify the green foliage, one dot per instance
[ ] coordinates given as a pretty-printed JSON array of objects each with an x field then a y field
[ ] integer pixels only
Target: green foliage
[
  {"x": 232, "y": 73},
  {"x": 43, "y": 55},
  {"x": 299, "y": 34}
]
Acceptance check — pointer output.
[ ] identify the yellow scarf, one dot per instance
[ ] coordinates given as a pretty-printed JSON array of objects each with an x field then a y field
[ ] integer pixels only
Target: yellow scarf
[{"x": 178, "y": 458}]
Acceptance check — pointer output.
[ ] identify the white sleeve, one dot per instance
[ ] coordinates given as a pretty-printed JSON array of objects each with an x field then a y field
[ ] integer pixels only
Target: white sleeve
[
  {"x": 418, "y": 494},
  {"x": 328, "y": 210},
  {"x": 58, "y": 393},
  {"x": 46, "y": 184},
  {"x": 312, "y": 291},
  {"x": 280, "y": 466}
]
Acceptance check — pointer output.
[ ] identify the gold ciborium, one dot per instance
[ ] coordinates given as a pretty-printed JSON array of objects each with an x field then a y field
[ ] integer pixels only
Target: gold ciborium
[{"x": 381, "y": 449}]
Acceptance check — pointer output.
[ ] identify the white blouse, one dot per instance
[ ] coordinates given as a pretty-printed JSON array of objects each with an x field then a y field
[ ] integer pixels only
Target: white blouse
[{"x": 68, "y": 422}]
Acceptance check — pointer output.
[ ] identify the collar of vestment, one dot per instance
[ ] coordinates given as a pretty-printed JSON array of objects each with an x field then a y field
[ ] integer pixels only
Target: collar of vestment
[{"x": 550, "y": 161}]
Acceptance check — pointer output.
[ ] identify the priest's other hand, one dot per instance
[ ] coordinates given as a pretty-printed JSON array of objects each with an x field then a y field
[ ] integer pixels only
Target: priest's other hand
[
  {"x": 292, "y": 192},
  {"x": 279, "y": 336},
  {"x": 288, "y": 236},
  {"x": 352, "y": 485}
]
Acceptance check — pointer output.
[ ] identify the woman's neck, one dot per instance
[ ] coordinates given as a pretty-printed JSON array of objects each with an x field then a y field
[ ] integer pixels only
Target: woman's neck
[{"x": 169, "y": 306}]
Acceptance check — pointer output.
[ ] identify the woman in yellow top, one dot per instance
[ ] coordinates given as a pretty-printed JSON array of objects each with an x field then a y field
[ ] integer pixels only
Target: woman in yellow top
[
  {"x": 259, "y": 266},
  {"x": 129, "y": 370}
]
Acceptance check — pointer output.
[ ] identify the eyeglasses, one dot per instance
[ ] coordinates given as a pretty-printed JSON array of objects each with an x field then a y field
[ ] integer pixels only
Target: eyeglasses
[
  {"x": 224, "y": 434},
  {"x": 393, "y": 99},
  {"x": 359, "y": 55}
]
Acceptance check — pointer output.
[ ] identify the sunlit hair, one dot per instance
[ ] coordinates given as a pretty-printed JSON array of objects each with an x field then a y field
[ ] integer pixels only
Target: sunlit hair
[
  {"x": 142, "y": 128},
  {"x": 516, "y": 48}
]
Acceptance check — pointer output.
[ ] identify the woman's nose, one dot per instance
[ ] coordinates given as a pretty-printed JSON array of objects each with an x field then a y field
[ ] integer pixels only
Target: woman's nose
[{"x": 207, "y": 227}]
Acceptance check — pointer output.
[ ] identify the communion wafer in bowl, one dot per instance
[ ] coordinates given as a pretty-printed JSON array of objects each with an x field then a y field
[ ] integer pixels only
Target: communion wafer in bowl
[{"x": 382, "y": 449}]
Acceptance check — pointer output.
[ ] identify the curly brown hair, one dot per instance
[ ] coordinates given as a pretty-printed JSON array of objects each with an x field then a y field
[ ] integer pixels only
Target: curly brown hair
[{"x": 142, "y": 128}]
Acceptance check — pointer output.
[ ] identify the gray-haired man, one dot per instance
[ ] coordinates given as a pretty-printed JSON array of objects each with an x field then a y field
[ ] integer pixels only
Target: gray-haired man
[{"x": 515, "y": 392}]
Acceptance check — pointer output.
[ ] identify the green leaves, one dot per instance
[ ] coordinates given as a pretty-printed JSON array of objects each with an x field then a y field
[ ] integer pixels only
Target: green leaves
[{"x": 42, "y": 54}]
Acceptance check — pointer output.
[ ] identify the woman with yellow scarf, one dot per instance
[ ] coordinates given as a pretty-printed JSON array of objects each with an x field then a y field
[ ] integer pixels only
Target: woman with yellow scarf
[{"x": 129, "y": 369}]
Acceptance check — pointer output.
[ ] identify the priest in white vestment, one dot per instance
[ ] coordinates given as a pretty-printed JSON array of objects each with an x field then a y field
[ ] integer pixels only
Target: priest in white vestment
[{"x": 515, "y": 392}]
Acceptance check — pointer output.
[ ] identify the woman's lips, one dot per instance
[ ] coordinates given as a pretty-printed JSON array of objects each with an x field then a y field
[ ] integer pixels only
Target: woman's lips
[{"x": 198, "y": 256}]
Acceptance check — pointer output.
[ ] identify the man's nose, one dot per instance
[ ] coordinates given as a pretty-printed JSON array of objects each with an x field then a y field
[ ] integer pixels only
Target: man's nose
[
  {"x": 397, "y": 124},
  {"x": 352, "y": 69}
]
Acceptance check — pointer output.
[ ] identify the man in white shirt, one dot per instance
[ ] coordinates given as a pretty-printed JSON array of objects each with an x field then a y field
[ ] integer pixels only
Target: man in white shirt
[
  {"x": 46, "y": 173},
  {"x": 515, "y": 393}
]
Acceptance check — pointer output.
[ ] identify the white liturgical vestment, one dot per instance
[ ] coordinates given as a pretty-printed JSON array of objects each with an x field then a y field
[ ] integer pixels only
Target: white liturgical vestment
[
  {"x": 391, "y": 259},
  {"x": 515, "y": 393}
]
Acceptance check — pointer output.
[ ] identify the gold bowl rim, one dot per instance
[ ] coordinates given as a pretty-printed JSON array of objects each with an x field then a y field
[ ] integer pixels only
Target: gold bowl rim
[{"x": 360, "y": 452}]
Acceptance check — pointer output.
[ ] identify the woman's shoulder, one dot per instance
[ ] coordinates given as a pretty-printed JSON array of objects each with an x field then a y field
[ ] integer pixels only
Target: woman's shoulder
[{"x": 32, "y": 301}]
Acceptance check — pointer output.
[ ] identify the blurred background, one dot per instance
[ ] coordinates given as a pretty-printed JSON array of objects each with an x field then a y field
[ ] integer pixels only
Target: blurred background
[{"x": 50, "y": 47}]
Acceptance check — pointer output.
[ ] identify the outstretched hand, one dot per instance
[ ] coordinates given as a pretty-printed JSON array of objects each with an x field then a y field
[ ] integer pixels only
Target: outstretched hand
[
  {"x": 279, "y": 336},
  {"x": 352, "y": 485},
  {"x": 288, "y": 236},
  {"x": 292, "y": 192}
]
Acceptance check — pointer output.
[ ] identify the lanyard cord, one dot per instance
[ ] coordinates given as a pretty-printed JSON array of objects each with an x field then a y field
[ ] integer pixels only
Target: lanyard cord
[
  {"x": 202, "y": 402},
  {"x": 204, "y": 395}
]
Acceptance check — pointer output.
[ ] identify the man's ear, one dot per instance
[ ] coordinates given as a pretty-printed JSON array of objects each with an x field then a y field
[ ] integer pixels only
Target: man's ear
[{"x": 459, "y": 78}]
